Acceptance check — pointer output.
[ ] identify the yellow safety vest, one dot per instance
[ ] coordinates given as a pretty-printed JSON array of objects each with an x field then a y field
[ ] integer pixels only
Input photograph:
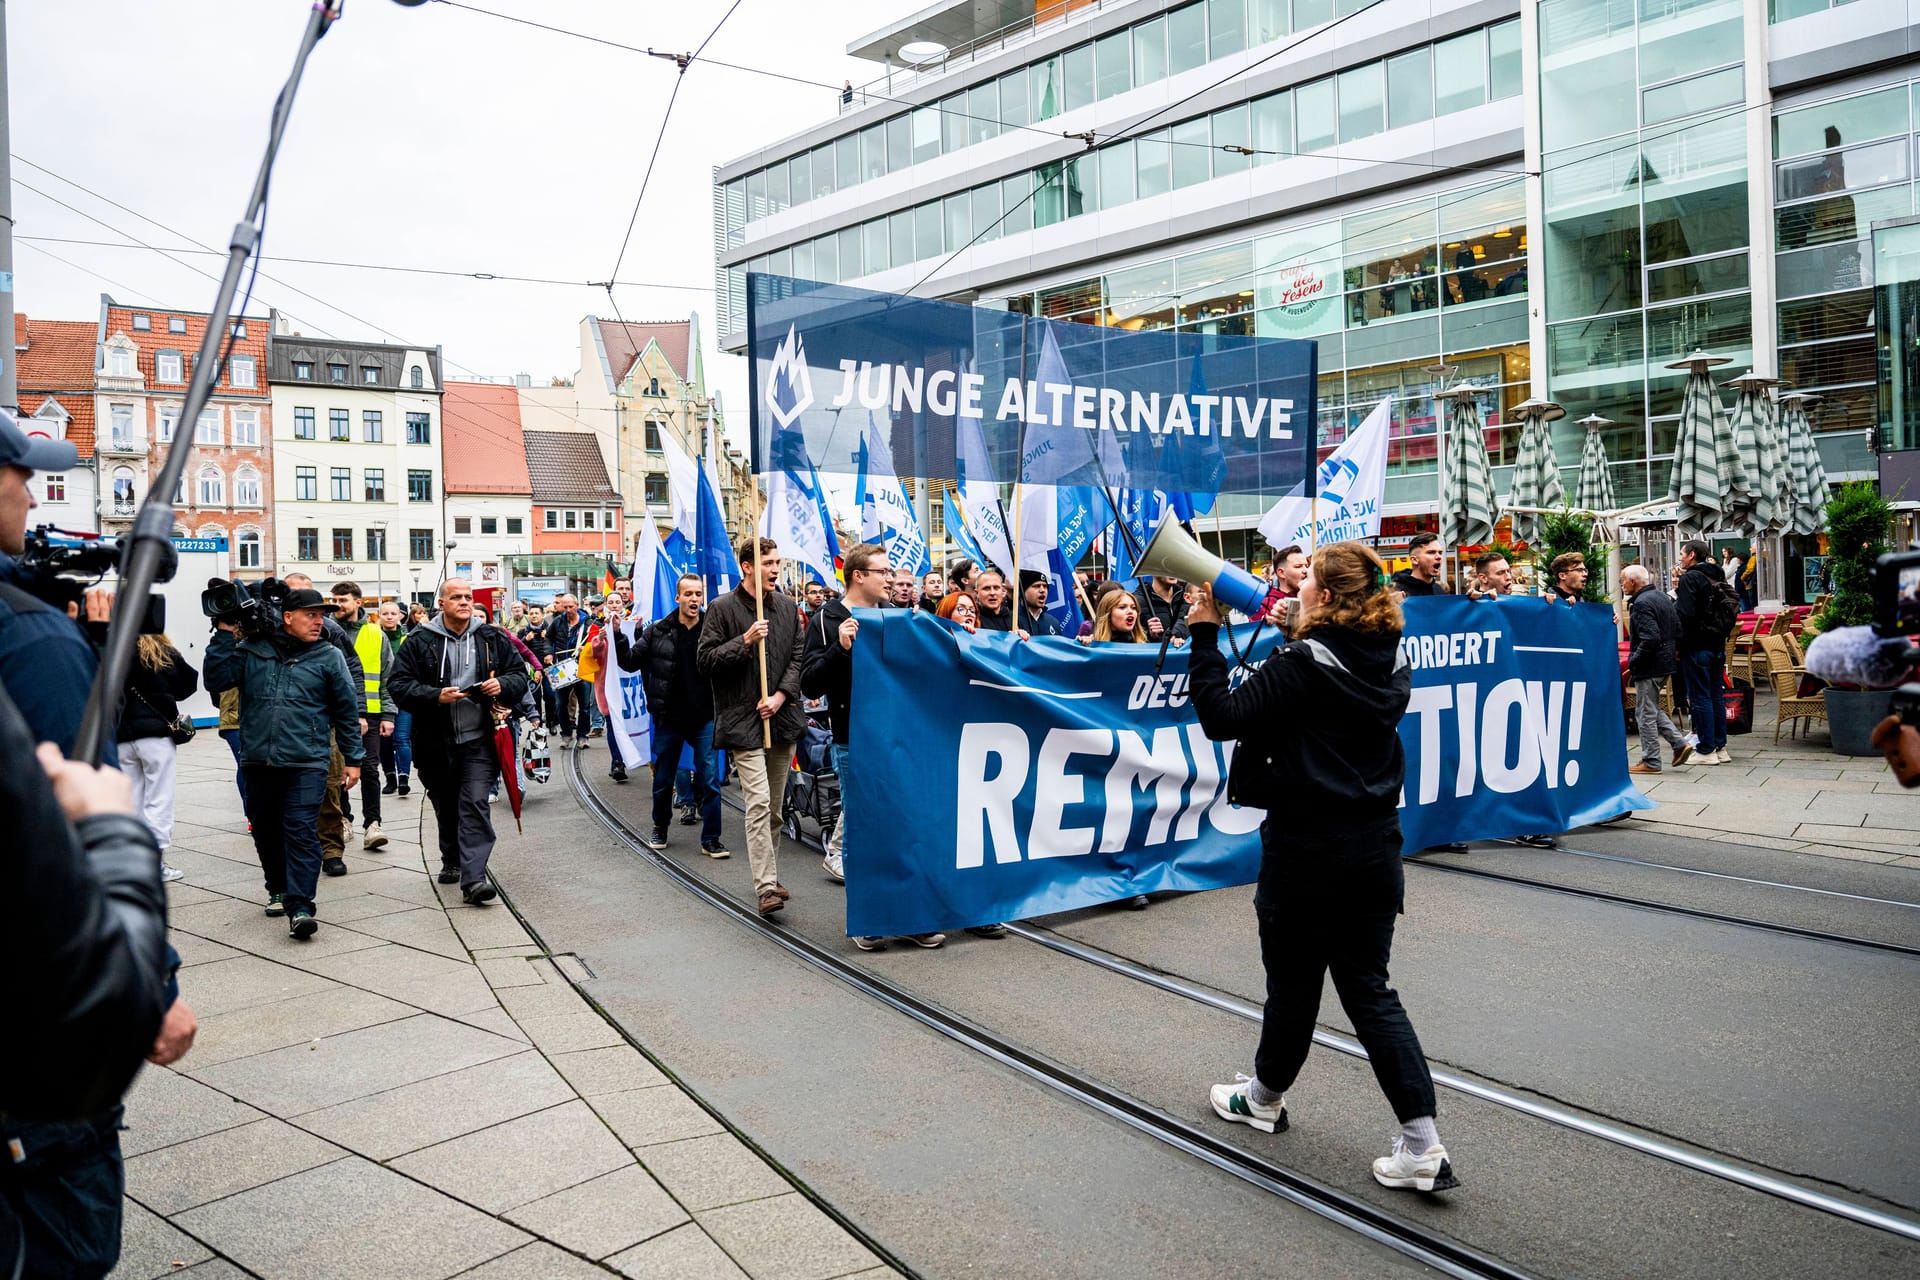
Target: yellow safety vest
[{"x": 367, "y": 643}]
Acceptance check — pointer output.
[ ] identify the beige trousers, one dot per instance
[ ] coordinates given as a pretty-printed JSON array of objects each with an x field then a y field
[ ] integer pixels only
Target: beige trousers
[{"x": 760, "y": 771}]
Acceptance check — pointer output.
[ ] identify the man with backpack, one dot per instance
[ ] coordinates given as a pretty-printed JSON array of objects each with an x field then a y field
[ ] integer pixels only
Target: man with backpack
[{"x": 1709, "y": 610}]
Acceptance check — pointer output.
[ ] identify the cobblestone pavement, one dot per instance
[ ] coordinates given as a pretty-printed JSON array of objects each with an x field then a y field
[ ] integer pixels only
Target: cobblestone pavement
[{"x": 420, "y": 1092}]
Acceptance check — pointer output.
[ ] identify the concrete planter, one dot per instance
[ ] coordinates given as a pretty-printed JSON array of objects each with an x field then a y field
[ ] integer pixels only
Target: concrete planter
[{"x": 1851, "y": 716}]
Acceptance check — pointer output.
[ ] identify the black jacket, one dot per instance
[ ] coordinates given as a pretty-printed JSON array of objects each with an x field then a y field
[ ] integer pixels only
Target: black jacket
[
  {"x": 82, "y": 911},
  {"x": 1000, "y": 619},
  {"x": 564, "y": 636},
  {"x": 1318, "y": 727},
  {"x": 1407, "y": 585},
  {"x": 1043, "y": 625},
  {"x": 734, "y": 670},
  {"x": 153, "y": 697},
  {"x": 1697, "y": 587},
  {"x": 667, "y": 654},
  {"x": 928, "y": 604},
  {"x": 536, "y": 639},
  {"x": 415, "y": 683},
  {"x": 826, "y": 669},
  {"x": 1172, "y": 613},
  {"x": 1655, "y": 627}
]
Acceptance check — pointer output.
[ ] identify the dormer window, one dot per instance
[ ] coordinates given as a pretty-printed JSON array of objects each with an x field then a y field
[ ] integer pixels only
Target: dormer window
[
  {"x": 176, "y": 324},
  {"x": 166, "y": 366},
  {"x": 370, "y": 374},
  {"x": 120, "y": 362},
  {"x": 303, "y": 370},
  {"x": 142, "y": 323},
  {"x": 417, "y": 378},
  {"x": 336, "y": 373},
  {"x": 239, "y": 328}
]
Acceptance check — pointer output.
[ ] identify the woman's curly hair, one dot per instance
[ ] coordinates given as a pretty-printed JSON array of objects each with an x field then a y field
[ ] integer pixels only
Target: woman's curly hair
[{"x": 1360, "y": 596}]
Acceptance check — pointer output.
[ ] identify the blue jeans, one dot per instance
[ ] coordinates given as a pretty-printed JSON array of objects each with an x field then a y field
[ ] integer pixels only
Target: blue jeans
[
  {"x": 1706, "y": 695},
  {"x": 232, "y": 738},
  {"x": 286, "y": 829},
  {"x": 62, "y": 1194},
  {"x": 667, "y": 744},
  {"x": 396, "y": 751}
]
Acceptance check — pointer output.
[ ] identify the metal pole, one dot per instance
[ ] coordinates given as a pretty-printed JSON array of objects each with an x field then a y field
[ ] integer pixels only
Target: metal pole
[{"x": 9, "y": 382}]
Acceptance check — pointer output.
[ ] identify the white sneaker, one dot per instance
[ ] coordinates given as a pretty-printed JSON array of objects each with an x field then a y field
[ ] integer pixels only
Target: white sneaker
[
  {"x": 831, "y": 865},
  {"x": 1428, "y": 1171},
  {"x": 170, "y": 873},
  {"x": 374, "y": 838},
  {"x": 1235, "y": 1102},
  {"x": 1706, "y": 757},
  {"x": 1721, "y": 757}
]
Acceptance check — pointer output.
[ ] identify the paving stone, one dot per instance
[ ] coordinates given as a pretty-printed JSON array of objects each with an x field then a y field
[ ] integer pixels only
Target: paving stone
[
  {"x": 301, "y": 1020},
  {"x": 431, "y": 982},
  {"x": 787, "y": 1236},
  {"x": 223, "y": 986},
  {"x": 537, "y": 1261},
  {"x": 527, "y": 949},
  {"x": 705, "y": 1173},
  {"x": 181, "y": 894},
  {"x": 521, "y": 1160},
  {"x": 1869, "y": 810},
  {"x": 568, "y": 1032},
  {"x": 1888, "y": 838},
  {"x": 643, "y": 1117},
  {"x": 684, "y": 1253},
  {"x": 509, "y": 971},
  {"x": 611, "y": 1070},
  {"x": 192, "y": 1173},
  {"x": 151, "y": 1247},
  {"x": 497, "y": 1021},
  {"x": 165, "y": 1107},
  {"x": 375, "y": 1223},
  {"x": 872, "y": 1273},
  {"x": 196, "y": 950},
  {"x": 351, "y": 908},
  {"x": 552, "y": 998},
  {"x": 489, "y": 927},
  {"x": 214, "y": 1269},
  {"x": 307, "y": 1077},
  {"x": 1852, "y": 853},
  {"x": 422, "y": 928},
  {"x": 604, "y": 1215},
  {"x": 407, "y": 884},
  {"x": 385, "y": 1125}
]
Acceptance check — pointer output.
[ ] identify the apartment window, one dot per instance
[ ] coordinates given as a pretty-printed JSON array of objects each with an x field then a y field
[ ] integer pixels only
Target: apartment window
[
  {"x": 416, "y": 378},
  {"x": 419, "y": 429},
  {"x": 552, "y": 519},
  {"x": 120, "y": 362},
  {"x": 419, "y": 486},
  {"x": 122, "y": 426},
  {"x": 175, "y": 324},
  {"x": 373, "y": 426},
  {"x": 370, "y": 374},
  {"x": 142, "y": 323},
  {"x": 463, "y": 524},
  {"x": 309, "y": 544},
  {"x": 343, "y": 544},
  {"x": 339, "y": 425},
  {"x": 246, "y": 427},
  {"x": 306, "y": 484},
  {"x": 56, "y": 488},
  {"x": 303, "y": 370},
  {"x": 515, "y": 526},
  {"x": 180, "y": 498},
  {"x": 336, "y": 373},
  {"x": 206, "y": 430},
  {"x": 656, "y": 488},
  {"x": 123, "y": 491},
  {"x": 303, "y": 424},
  {"x": 489, "y": 524},
  {"x": 246, "y": 488},
  {"x": 376, "y": 483},
  {"x": 586, "y": 519},
  {"x": 653, "y": 436},
  {"x": 340, "y": 482},
  {"x": 165, "y": 418},
  {"x": 248, "y": 545},
  {"x": 213, "y": 488},
  {"x": 376, "y": 544},
  {"x": 419, "y": 544},
  {"x": 166, "y": 366},
  {"x": 653, "y": 387},
  {"x": 571, "y": 520},
  {"x": 240, "y": 371}
]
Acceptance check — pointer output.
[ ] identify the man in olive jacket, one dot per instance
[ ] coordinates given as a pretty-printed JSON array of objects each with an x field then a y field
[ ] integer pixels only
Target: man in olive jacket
[
  {"x": 728, "y": 657},
  {"x": 294, "y": 692}
]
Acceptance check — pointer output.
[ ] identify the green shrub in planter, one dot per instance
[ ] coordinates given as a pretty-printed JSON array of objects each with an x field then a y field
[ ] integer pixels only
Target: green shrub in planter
[{"x": 1858, "y": 521}]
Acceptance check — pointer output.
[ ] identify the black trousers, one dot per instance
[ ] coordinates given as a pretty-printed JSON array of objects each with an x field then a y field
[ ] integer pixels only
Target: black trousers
[
  {"x": 370, "y": 773},
  {"x": 1330, "y": 907},
  {"x": 458, "y": 778},
  {"x": 60, "y": 1199}
]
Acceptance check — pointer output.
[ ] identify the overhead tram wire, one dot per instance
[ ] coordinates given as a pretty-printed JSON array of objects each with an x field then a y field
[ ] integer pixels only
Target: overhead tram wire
[{"x": 126, "y": 290}]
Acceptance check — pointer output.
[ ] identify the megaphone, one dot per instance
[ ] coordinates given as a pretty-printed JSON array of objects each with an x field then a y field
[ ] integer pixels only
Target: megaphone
[{"x": 1172, "y": 552}]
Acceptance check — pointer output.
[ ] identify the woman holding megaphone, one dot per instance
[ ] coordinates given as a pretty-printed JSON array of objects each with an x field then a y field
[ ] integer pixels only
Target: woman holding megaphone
[{"x": 1319, "y": 748}]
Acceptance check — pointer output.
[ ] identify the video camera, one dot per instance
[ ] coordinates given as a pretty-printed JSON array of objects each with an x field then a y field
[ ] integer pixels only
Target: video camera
[
  {"x": 58, "y": 565},
  {"x": 253, "y": 613}
]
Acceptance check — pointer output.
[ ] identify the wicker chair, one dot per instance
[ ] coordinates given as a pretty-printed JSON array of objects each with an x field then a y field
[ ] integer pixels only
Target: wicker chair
[
  {"x": 1739, "y": 657},
  {"x": 1794, "y": 650},
  {"x": 1786, "y": 689}
]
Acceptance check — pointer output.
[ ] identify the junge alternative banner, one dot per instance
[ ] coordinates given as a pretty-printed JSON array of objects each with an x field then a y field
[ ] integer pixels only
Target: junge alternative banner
[{"x": 1046, "y": 775}]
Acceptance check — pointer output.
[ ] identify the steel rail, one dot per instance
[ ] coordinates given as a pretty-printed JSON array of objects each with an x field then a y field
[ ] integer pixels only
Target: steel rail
[{"x": 1715, "y": 875}]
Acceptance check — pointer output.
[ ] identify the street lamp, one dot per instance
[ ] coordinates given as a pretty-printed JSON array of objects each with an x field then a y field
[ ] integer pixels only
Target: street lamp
[
  {"x": 446, "y": 551},
  {"x": 380, "y": 562}
]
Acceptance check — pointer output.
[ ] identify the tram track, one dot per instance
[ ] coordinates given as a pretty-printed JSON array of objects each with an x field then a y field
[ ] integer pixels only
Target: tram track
[
  {"x": 1410, "y": 1239},
  {"x": 1622, "y": 860},
  {"x": 1635, "y": 1140}
]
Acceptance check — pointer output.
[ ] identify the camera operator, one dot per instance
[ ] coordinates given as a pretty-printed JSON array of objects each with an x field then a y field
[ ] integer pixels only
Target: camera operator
[{"x": 294, "y": 688}]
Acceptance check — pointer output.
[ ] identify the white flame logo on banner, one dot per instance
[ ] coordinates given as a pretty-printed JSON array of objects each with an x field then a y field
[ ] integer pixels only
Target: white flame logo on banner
[{"x": 789, "y": 386}]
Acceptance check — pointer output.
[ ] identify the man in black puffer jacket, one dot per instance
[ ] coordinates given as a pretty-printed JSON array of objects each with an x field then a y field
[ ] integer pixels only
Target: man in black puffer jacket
[
  {"x": 680, "y": 702},
  {"x": 1708, "y": 613}
]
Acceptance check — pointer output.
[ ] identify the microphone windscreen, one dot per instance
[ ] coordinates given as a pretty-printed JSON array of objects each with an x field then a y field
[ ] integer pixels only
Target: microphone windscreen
[{"x": 1858, "y": 655}]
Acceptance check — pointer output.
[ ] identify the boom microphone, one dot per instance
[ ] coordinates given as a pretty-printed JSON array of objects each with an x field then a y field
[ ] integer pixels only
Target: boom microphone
[{"x": 1859, "y": 655}]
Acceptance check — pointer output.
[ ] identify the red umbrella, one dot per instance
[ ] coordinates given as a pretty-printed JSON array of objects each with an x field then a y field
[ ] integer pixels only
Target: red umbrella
[{"x": 508, "y": 759}]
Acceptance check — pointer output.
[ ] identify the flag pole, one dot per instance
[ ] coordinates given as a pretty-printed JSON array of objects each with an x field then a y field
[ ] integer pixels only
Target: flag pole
[{"x": 760, "y": 613}]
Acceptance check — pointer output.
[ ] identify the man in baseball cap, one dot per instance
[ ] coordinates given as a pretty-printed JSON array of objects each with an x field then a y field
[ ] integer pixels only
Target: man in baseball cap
[{"x": 20, "y": 456}]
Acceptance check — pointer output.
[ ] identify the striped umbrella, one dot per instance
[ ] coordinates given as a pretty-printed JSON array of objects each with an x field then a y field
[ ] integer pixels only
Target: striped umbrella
[
  {"x": 1468, "y": 507},
  {"x": 1807, "y": 477},
  {"x": 1754, "y": 504},
  {"x": 1595, "y": 489},
  {"x": 1782, "y": 473},
  {"x": 1536, "y": 473},
  {"x": 1706, "y": 466}
]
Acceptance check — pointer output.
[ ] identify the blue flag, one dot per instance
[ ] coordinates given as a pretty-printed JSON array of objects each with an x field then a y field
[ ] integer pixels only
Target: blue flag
[
  {"x": 714, "y": 553},
  {"x": 958, "y": 531}
]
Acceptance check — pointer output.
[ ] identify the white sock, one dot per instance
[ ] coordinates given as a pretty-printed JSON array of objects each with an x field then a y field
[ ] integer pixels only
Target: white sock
[{"x": 1419, "y": 1134}]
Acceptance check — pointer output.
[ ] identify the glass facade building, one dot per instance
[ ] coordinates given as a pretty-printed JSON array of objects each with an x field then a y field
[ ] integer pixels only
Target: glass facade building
[{"x": 1557, "y": 198}]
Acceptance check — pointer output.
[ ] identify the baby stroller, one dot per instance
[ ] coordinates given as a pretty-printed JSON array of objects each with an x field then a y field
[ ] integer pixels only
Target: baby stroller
[{"x": 813, "y": 789}]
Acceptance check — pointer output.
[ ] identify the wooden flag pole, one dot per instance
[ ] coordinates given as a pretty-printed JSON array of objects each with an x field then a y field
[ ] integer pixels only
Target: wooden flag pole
[{"x": 760, "y": 613}]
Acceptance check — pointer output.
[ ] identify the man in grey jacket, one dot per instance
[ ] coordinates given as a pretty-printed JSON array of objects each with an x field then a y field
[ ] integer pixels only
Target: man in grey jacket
[{"x": 729, "y": 656}]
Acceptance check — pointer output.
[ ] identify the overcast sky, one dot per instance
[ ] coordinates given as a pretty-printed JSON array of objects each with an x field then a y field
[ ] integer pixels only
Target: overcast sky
[{"x": 422, "y": 137}]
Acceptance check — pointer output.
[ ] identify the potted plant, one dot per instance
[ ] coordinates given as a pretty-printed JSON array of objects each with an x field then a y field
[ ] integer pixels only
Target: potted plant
[{"x": 1858, "y": 521}]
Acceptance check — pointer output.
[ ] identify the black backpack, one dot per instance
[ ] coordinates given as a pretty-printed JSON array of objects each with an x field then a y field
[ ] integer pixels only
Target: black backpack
[{"x": 1721, "y": 612}]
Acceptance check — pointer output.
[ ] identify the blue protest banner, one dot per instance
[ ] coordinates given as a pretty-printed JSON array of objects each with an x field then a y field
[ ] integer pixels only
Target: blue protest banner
[{"x": 1047, "y": 775}]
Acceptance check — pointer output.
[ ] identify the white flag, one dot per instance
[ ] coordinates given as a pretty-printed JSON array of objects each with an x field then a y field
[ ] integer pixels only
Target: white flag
[
  {"x": 978, "y": 496},
  {"x": 792, "y": 520},
  {"x": 683, "y": 486},
  {"x": 1348, "y": 491}
]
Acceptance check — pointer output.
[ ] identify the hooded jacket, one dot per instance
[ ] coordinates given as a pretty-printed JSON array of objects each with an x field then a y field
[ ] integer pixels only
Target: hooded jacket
[
  {"x": 826, "y": 669},
  {"x": 1697, "y": 587},
  {"x": 734, "y": 671},
  {"x": 434, "y": 658},
  {"x": 1317, "y": 726},
  {"x": 292, "y": 695}
]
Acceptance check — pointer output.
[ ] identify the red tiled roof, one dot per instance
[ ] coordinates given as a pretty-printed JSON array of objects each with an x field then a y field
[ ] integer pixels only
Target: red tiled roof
[
  {"x": 567, "y": 469},
  {"x": 149, "y": 342},
  {"x": 625, "y": 342},
  {"x": 57, "y": 363},
  {"x": 483, "y": 446}
]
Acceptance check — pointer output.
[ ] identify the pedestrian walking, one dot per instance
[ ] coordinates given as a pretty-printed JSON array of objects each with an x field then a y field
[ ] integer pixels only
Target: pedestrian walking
[
  {"x": 336, "y": 807},
  {"x": 451, "y": 674},
  {"x": 1319, "y": 748},
  {"x": 680, "y": 702},
  {"x": 396, "y": 749},
  {"x": 157, "y": 681},
  {"x": 294, "y": 693},
  {"x": 573, "y": 705},
  {"x": 729, "y": 655},
  {"x": 1653, "y": 656},
  {"x": 371, "y": 646},
  {"x": 1709, "y": 610}
]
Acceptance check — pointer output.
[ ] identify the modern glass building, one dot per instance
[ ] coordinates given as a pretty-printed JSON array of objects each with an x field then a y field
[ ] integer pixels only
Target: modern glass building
[{"x": 1556, "y": 198}]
